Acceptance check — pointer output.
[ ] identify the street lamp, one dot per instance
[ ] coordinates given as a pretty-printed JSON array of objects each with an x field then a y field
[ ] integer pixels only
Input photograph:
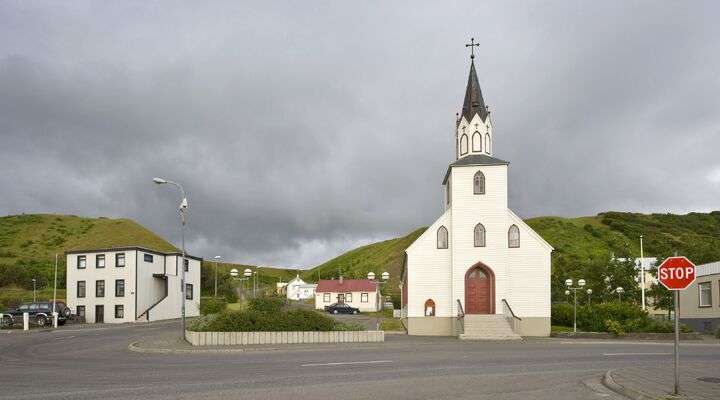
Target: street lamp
[
  {"x": 384, "y": 276},
  {"x": 569, "y": 284},
  {"x": 246, "y": 276},
  {"x": 619, "y": 291},
  {"x": 217, "y": 258},
  {"x": 567, "y": 294},
  {"x": 589, "y": 293},
  {"x": 182, "y": 209}
]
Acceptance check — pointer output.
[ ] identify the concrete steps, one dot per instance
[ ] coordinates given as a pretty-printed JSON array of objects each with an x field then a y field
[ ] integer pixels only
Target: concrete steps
[{"x": 487, "y": 327}]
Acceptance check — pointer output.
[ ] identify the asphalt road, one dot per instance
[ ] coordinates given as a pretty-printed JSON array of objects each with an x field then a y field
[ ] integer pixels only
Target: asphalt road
[{"x": 96, "y": 364}]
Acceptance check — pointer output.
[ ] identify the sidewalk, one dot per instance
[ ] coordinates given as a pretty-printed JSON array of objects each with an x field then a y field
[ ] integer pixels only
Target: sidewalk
[{"x": 697, "y": 381}]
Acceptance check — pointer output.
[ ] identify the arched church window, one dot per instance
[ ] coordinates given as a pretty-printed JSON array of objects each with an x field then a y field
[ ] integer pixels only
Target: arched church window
[
  {"x": 487, "y": 143},
  {"x": 514, "y": 236},
  {"x": 476, "y": 142},
  {"x": 429, "y": 308},
  {"x": 442, "y": 238},
  {"x": 479, "y": 183},
  {"x": 479, "y": 235},
  {"x": 463, "y": 145}
]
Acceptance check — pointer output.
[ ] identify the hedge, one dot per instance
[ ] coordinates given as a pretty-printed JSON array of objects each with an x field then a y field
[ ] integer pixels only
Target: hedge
[
  {"x": 212, "y": 305},
  {"x": 604, "y": 317},
  {"x": 266, "y": 304},
  {"x": 258, "y": 321}
]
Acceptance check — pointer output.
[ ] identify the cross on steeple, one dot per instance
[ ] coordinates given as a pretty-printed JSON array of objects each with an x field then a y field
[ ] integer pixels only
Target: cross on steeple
[{"x": 472, "y": 46}]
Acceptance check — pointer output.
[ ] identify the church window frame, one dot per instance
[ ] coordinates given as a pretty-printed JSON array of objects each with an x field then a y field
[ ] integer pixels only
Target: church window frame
[
  {"x": 479, "y": 235},
  {"x": 463, "y": 144},
  {"x": 477, "y": 142},
  {"x": 513, "y": 237},
  {"x": 429, "y": 310},
  {"x": 479, "y": 183},
  {"x": 443, "y": 238}
]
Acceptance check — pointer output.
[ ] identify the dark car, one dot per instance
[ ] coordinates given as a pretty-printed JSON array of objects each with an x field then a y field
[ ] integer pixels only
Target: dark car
[
  {"x": 341, "y": 308},
  {"x": 39, "y": 312}
]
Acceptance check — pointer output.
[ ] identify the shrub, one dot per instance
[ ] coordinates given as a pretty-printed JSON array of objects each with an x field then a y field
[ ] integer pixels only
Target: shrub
[
  {"x": 212, "y": 305},
  {"x": 595, "y": 317},
  {"x": 685, "y": 329},
  {"x": 256, "y": 321},
  {"x": 266, "y": 304},
  {"x": 614, "y": 327},
  {"x": 562, "y": 314}
]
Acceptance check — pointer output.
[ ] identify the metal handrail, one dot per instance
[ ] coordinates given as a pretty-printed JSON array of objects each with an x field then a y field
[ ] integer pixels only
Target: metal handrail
[
  {"x": 510, "y": 316},
  {"x": 461, "y": 316}
]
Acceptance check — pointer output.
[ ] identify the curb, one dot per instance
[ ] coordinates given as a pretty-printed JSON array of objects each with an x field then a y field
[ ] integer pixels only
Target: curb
[
  {"x": 633, "y": 394},
  {"x": 134, "y": 347}
]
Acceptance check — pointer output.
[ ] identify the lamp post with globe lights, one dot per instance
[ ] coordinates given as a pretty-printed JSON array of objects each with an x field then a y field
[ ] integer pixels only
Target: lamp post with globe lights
[
  {"x": 619, "y": 290},
  {"x": 589, "y": 293},
  {"x": 384, "y": 278},
  {"x": 580, "y": 285},
  {"x": 216, "y": 258}
]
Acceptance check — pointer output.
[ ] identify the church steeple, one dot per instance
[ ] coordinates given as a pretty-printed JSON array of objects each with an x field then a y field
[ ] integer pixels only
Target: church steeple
[
  {"x": 474, "y": 102},
  {"x": 474, "y": 133}
]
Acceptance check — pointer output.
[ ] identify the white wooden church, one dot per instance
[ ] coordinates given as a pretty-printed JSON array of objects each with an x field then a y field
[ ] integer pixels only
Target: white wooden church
[{"x": 479, "y": 271}]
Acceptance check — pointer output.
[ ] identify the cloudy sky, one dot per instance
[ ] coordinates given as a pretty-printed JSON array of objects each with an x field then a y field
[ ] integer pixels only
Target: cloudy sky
[{"x": 303, "y": 129}]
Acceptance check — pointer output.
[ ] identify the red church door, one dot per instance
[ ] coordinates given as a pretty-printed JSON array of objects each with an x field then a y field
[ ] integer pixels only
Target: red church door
[{"x": 479, "y": 291}]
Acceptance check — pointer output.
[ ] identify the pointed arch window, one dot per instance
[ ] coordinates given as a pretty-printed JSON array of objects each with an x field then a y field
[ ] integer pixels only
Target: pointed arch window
[
  {"x": 479, "y": 183},
  {"x": 463, "y": 145},
  {"x": 476, "y": 142},
  {"x": 479, "y": 235},
  {"x": 514, "y": 236},
  {"x": 487, "y": 143},
  {"x": 429, "y": 308},
  {"x": 442, "y": 238}
]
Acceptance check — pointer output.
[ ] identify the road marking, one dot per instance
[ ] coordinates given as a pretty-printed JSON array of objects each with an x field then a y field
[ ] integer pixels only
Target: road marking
[
  {"x": 637, "y": 354},
  {"x": 347, "y": 363},
  {"x": 66, "y": 337}
]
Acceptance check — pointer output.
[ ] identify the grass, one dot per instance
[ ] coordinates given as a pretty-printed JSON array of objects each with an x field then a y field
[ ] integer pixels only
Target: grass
[
  {"x": 236, "y": 306},
  {"x": 11, "y": 296},
  {"x": 382, "y": 314},
  {"x": 560, "y": 329},
  {"x": 391, "y": 324}
]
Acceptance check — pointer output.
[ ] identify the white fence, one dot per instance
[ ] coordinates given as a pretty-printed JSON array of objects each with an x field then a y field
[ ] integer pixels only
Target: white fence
[{"x": 250, "y": 338}]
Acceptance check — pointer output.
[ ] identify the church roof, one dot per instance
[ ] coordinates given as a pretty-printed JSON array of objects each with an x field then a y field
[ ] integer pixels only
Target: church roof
[
  {"x": 474, "y": 102},
  {"x": 474, "y": 159}
]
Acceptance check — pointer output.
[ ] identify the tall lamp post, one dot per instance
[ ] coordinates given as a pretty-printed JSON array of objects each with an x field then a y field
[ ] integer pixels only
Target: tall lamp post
[
  {"x": 384, "y": 276},
  {"x": 569, "y": 284},
  {"x": 619, "y": 291},
  {"x": 217, "y": 258},
  {"x": 642, "y": 273},
  {"x": 246, "y": 277},
  {"x": 182, "y": 209},
  {"x": 589, "y": 293}
]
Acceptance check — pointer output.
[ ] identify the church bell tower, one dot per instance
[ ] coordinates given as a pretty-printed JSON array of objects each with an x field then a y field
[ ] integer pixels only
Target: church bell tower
[{"x": 474, "y": 132}]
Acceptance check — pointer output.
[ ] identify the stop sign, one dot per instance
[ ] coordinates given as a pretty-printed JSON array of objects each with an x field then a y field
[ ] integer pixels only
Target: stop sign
[{"x": 676, "y": 273}]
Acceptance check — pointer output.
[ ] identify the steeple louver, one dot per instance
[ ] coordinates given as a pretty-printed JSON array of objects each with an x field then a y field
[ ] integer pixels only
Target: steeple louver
[{"x": 474, "y": 103}]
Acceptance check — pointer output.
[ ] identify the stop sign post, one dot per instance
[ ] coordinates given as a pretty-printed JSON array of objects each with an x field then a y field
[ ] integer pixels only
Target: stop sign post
[{"x": 676, "y": 274}]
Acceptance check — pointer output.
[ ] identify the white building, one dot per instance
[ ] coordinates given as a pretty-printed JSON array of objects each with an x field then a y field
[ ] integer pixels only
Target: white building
[
  {"x": 298, "y": 289},
  {"x": 478, "y": 258},
  {"x": 700, "y": 302},
  {"x": 130, "y": 284},
  {"x": 359, "y": 293}
]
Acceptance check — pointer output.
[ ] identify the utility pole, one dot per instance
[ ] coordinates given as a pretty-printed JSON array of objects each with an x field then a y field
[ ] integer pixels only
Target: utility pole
[
  {"x": 54, "y": 309},
  {"x": 642, "y": 273}
]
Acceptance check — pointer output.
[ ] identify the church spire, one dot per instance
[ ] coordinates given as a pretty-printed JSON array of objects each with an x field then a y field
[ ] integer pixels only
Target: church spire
[{"x": 474, "y": 103}]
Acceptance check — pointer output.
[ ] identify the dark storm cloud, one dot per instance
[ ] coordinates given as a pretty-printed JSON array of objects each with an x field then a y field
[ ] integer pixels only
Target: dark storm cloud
[{"x": 302, "y": 130}]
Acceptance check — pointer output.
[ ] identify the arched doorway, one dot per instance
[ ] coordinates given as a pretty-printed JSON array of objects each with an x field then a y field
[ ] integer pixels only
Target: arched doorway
[{"x": 479, "y": 290}]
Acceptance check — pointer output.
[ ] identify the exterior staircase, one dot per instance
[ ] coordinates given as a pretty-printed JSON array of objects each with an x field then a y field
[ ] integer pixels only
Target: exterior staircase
[{"x": 487, "y": 327}]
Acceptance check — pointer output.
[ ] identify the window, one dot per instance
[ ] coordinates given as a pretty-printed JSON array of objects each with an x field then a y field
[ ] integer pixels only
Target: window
[
  {"x": 120, "y": 259},
  {"x": 80, "y": 311},
  {"x": 147, "y": 257},
  {"x": 487, "y": 143},
  {"x": 99, "y": 288},
  {"x": 348, "y": 297},
  {"x": 479, "y": 183},
  {"x": 100, "y": 261},
  {"x": 705, "y": 293},
  {"x": 119, "y": 287},
  {"x": 326, "y": 297},
  {"x": 119, "y": 311},
  {"x": 442, "y": 238},
  {"x": 448, "y": 193},
  {"x": 479, "y": 235},
  {"x": 514, "y": 236},
  {"x": 477, "y": 142},
  {"x": 429, "y": 308},
  {"x": 81, "y": 289},
  {"x": 186, "y": 263},
  {"x": 363, "y": 297},
  {"x": 81, "y": 262},
  {"x": 188, "y": 291},
  {"x": 463, "y": 145}
]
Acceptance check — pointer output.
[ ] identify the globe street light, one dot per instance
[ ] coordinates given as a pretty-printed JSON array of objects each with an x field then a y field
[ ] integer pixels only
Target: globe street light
[
  {"x": 217, "y": 258},
  {"x": 569, "y": 284},
  {"x": 619, "y": 291},
  {"x": 182, "y": 209},
  {"x": 246, "y": 277},
  {"x": 589, "y": 293}
]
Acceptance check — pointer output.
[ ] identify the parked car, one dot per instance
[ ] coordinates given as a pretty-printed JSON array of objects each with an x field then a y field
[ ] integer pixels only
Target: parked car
[
  {"x": 341, "y": 308},
  {"x": 39, "y": 312}
]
